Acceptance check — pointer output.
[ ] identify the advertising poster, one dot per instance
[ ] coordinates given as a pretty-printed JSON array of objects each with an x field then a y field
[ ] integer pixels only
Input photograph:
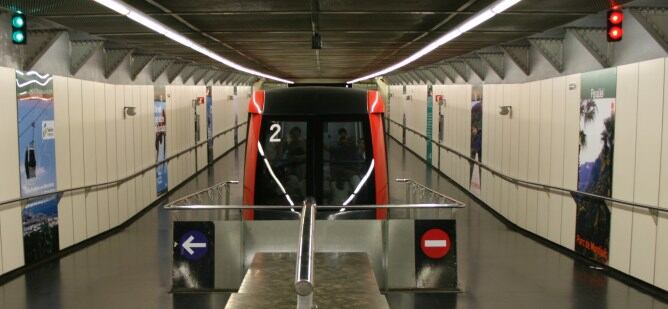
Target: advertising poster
[
  {"x": 597, "y": 140},
  {"x": 436, "y": 254},
  {"x": 160, "y": 139},
  {"x": 209, "y": 124},
  {"x": 193, "y": 256},
  {"x": 37, "y": 163},
  {"x": 476, "y": 138},
  {"x": 430, "y": 121}
]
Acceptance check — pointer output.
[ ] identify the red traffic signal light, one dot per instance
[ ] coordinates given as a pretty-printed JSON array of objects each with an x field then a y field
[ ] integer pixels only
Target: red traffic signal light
[
  {"x": 615, "y": 34},
  {"x": 615, "y": 30},
  {"x": 615, "y": 17}
]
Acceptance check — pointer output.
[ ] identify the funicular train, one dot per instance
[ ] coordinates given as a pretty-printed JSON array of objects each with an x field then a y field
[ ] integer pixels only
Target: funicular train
[{"x": 321, "y": 142}]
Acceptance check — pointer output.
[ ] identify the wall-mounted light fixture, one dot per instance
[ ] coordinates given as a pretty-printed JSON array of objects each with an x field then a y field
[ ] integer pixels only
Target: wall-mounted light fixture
[
  {"x": 506, "y": 110},
  {"x": 128, "y": 111}
]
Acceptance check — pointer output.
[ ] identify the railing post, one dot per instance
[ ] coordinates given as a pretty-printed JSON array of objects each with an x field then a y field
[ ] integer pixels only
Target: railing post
[{"x": 304, "y": 267}]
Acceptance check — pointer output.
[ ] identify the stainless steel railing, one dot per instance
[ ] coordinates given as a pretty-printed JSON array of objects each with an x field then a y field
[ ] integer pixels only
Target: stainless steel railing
[
  {"x": 3, "y": 204},
  {"x": 304, "y": 266},
  {"x": 530, "y": 184}
]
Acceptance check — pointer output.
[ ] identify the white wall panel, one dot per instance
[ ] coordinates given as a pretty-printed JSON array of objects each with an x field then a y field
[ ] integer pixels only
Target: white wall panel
[
  {"x": 545, "y": 157},
  {"x": 534, "y": 154},
  {"x": 129, "y": 153},
  {"x": 648, "y": 147},
  {"x": 9, "y": 157},
  {"x": 77, "y": 155},
  {"x": 101, "y": 155},
  {"x": 623, "y": 173},
  {"x": 506, "y": 145},
  {"x": 11, "y": 238},
  {"x": 486, "y": 177},
  {"x": 661, "y": 267},
  {"x": 571, "y": 149},
  {"x": 63, "y": 168},
  {"x": 559, "y": 89},
  {"x": 112, "y": 172},
  {"x": 513, "y": 170},
  {"x": 136, "y": 147},
  {"x": 497, "y": 97},
  {"x": 90, "y": 164},
  {"x": 121, "y": 161},
  {"x": 523, "y": 152}
]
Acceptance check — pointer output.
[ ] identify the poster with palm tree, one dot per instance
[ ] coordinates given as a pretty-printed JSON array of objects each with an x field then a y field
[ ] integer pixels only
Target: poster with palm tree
[{"x": 597, "y": 127}]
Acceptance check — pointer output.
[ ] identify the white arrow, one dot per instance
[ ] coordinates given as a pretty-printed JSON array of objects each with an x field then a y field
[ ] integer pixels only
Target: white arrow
[{"x": 188, "y": 245}]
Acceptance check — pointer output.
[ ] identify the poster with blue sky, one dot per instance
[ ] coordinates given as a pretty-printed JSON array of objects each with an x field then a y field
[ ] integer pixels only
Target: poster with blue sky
[
  {"x": 597, "y": 140},
  {"x": 160, "y": 139},
  {"x": 37, "y": 163}
]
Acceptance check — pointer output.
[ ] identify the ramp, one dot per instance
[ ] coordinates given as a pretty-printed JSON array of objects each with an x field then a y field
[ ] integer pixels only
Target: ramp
[{"x": 343, "y": 280}]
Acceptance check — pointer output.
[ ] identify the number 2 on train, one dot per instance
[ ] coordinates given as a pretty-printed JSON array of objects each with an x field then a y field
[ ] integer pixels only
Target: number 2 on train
[{"x": 275, "y": 129}]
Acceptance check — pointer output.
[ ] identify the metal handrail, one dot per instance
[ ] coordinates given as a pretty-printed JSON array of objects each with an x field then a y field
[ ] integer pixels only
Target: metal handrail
[
  {"x": 527, "y": 183},
  {"x": 304, "y": 263},
  {"x": 410, "y": 182},
  {"x": 124, "y": 179},
  {"x": 284, "y": 207},
  {"x": 304, "y": 266}
]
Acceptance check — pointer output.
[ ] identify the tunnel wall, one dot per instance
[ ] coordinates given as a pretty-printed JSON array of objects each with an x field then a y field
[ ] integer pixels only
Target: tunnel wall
[
  {"x": 540, "y": 143},
  {"x": 94, "y": 144}
]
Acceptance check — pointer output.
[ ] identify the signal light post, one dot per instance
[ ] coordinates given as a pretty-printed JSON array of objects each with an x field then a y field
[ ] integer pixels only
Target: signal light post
[
  {"x": 615, "y": 30},
  {"x": 19, "y": 28}
]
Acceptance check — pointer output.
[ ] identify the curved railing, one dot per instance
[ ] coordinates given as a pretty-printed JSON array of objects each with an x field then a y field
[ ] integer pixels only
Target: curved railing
[
  {"x": 124, "y": 179},
  {"x": 527, "y": 183}
]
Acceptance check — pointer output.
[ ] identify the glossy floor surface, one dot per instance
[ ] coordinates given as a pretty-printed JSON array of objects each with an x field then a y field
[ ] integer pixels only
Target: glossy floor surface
[{"x": 498, "y": 267}]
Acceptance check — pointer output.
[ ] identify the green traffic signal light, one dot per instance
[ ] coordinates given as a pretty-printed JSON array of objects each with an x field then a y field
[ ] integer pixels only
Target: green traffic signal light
[
  {"x": 18, "y": 37},
  {"x": 18, "y": 21}
]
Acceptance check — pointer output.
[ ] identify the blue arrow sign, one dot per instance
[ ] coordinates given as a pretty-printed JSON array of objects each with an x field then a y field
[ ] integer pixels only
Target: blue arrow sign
[{"x": 193, "y": 245}]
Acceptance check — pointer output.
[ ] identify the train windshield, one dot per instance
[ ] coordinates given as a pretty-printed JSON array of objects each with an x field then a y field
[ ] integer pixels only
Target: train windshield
[
  {"x": 330, "y": 160},
  {"x": 345, "y": 163},
  {"x": 281, "y": 178}
]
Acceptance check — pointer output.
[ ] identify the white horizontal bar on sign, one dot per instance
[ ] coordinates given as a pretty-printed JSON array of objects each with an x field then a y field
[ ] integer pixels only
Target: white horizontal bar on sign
[
  {"x": 145, "y": 20},
  {"x": 435, "y": 243}
]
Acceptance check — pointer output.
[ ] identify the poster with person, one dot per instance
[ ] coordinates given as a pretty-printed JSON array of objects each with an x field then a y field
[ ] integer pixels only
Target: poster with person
[
  {"x": 160, "y": 139},
  {"x": 209, "y": 124},
  {"x": 37, "y": 163},
  {"x": 597, "y": 127},
  {"x": 476, "y": 138},
  {"x": 430, "y": 121}
]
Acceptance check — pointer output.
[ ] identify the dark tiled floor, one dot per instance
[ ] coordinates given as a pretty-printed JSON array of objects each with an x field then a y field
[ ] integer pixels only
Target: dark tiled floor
[{"x": 499, "y": 268}]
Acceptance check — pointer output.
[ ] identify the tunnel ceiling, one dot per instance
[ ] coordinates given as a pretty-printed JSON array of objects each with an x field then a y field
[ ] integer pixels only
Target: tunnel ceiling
[{"x": 359, "y": 36}]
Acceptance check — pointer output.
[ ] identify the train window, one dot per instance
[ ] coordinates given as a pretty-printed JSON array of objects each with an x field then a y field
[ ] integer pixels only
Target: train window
[
  {"x": 347, "y": 164},
  {"x": 281, "y": 176}
]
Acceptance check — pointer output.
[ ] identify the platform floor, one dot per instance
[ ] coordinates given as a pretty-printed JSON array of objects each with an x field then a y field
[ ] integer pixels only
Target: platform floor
[{"x": 499, "y": 267}]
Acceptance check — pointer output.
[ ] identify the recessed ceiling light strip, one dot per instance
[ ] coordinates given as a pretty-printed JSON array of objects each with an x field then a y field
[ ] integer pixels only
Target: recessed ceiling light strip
[
  {"x": 474, "y": 21},
  {"x": 143, "y": 19}
]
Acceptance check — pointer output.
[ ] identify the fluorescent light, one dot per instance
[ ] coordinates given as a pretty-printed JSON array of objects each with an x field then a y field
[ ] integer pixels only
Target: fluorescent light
[
  {"x": 476, "y": 20},
  {"x": 504, "y": 5},
  {"x": 469, "y": 24},
  {"x": 145, "y": 20},
  {"x": 116, "y": 6}
]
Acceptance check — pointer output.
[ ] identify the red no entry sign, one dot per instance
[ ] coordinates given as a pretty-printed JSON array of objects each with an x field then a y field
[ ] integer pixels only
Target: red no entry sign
[{"x": 435, "y": 243}]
